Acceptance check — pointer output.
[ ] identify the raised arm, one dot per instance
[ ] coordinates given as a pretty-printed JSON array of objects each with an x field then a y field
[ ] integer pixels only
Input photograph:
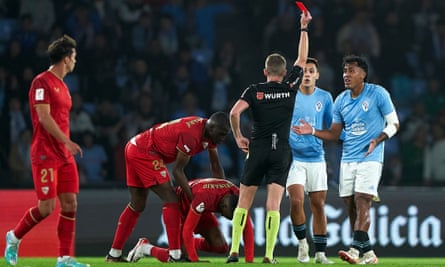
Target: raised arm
[{"x": 303, "y": 45}]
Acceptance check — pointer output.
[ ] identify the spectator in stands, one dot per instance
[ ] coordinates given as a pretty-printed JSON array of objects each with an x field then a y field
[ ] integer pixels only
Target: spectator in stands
[
  {"x": 219, "y": 89},
  {"x": 100, "y": 70},
  {"x": 14, "y": 57},
  {"x": 20, "y": 158},
  {"x": 412, "y": 154},
  {"x": 80, "y": 119},
  {"x": 226, "y": 56},
  {"x": 279, "y": 28},
  {"x": 92, "y": 166},
  {"x": 107, "y": 121},
  {"x": 359, "y": 36},
  {"x": 142, "y": 34},
  {"x": 434, "y": 161},
  {"x": 190, "y": 107},
  {"x": 168, "y": 36},
  {"x": 26, "y": 34},
  {"x": 434, "y": 98},
  {"x": 142, "y": 117},
  {"x": 140, "y": 80},
  {"x": 42, "y": 13},
  {"x": 83, "y": 25},
  {"x": 17, "y": 122}
]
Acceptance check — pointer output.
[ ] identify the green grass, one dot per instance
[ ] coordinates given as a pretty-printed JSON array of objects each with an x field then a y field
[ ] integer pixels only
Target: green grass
[{"x": 218, "y": 261}]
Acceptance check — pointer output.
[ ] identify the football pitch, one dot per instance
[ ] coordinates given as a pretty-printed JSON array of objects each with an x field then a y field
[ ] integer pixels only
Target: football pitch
[{"x": 220, "y": 261}]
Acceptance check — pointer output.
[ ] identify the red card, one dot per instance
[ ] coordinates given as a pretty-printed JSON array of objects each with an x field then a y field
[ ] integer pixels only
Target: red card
[{"x": 301, "y": 6}]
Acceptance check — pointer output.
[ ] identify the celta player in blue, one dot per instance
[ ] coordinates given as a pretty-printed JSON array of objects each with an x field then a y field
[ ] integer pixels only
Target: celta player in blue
[{"x": 367, "y": 116}]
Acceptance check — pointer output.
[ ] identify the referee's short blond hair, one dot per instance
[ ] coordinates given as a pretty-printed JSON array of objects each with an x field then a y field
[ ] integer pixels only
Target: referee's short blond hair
[{"x": 275, "y": 64}]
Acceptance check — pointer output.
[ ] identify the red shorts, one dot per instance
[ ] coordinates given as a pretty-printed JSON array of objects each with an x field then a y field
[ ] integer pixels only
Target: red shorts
[
  {"x": 144, "y": 170},
  {"x": 207, "y": 221},
  {"x": 51, "y": 179}
]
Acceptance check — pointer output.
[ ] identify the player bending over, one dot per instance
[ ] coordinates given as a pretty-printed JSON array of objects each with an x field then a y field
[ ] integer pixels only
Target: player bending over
[{"x": 210, "y": 195}]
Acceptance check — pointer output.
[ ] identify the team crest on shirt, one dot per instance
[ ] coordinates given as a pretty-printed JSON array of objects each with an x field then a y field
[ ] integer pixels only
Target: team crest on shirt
[
  {"x": 45, "y": 190},
  {"x": 205, "y": 145},
  {"x": 260, "y": 95},
  {"x": 318, "y": 106},
  {"x": 163, "y": 173},
  {"x": 57, "y": 89},
  {"x": 200, "y": 208},
  {"x": 365, "y": 106}
]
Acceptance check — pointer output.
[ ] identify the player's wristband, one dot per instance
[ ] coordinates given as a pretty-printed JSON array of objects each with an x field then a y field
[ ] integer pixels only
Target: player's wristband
[
  {"x": 313, "y": 131},
  {"x": 304, "y": 29},
  {"x": 390, "y": 130}
]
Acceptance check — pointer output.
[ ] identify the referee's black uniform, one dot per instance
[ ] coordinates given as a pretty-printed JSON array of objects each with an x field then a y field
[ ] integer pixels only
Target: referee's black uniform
[{"x": 271, "y": 104}]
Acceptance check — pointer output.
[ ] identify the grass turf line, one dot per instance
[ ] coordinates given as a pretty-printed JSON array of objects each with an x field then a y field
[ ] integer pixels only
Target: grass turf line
[{"x": 218, "y": 261}]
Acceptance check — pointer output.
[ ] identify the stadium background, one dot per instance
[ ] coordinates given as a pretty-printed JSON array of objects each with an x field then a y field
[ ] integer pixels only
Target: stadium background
[{"x": 142, "y": 62}]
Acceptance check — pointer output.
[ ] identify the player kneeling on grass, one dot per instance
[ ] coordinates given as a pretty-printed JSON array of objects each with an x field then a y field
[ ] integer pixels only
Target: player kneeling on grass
[{"x": 211, "y": 196}]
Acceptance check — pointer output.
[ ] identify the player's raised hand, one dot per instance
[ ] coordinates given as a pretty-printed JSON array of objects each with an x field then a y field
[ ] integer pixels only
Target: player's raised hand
[{"x": 305, "y": 18}]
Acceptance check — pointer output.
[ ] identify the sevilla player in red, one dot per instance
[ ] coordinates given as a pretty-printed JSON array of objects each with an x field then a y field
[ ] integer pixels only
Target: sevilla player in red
[
  {"x": 146, "y": 156},
  {"x": 211, "y": 196},
  {"x": 54, "y": 169}
]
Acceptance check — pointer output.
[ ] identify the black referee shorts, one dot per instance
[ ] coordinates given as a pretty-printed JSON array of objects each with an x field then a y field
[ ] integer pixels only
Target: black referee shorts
[{"x": 263, "y": 161}]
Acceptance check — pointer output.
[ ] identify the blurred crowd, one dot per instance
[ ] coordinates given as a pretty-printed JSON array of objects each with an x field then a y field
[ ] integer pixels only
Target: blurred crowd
[{"x": 141, "y": 62}]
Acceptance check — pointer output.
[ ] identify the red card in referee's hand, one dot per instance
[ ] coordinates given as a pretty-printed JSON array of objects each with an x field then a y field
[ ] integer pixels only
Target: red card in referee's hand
[{"x": 301, "y": 6}]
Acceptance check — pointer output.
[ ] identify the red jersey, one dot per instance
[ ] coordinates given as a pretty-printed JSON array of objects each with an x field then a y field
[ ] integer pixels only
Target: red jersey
[
  {"x": 207, "y": 194},
  {"x": 184, "y": 134},
  {"x": 48, "y": 89}
]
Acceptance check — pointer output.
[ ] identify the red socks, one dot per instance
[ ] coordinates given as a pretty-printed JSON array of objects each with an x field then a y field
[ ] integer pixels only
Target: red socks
[
  {"x": 65, "y": 231},
  {"x": 172, "y": 220},
  {"x": 30, "y": 219},
  {"x": 160, "y": 253},
  {"x": 125, "y": 227}
]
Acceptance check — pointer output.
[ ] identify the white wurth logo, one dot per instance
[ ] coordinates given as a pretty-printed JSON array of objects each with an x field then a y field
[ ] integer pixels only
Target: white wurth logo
[{"x": 280, "y": 95}]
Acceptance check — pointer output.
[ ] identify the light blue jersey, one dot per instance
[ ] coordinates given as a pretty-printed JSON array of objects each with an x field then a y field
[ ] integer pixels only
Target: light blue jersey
[
  {"x": 363, "y": 119},
  {"x": 316, "y": 109}
]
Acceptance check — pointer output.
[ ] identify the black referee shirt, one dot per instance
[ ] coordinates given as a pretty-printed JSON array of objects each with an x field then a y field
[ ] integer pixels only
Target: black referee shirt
[{"x": 272, "y": 104}]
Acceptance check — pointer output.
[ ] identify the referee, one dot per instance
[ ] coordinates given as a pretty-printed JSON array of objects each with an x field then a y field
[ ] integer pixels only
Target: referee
[{"x": 268, "y": 154}]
